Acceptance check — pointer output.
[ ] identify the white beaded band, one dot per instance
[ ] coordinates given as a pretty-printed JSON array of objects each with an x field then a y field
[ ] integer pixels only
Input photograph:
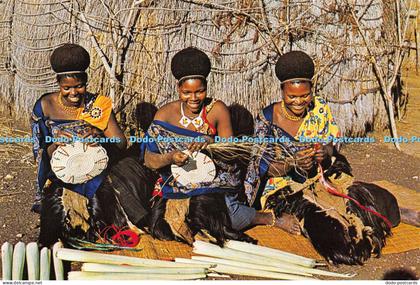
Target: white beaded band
[
  {"x": 70, "y": 72},
  {"x": 297, "y": 79},
  {"x": 191, "y": 77}
]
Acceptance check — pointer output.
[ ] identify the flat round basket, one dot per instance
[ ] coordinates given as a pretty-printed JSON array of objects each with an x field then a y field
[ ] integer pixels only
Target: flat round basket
[
  {"x": 200, "y": 168},
  {"x": 77, "y": 162}
]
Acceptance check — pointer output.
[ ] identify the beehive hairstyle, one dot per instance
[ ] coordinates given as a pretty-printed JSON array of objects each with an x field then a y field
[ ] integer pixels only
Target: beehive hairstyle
[
  {"x": 190, "y": 63},
  {"x": 295, "y": 65},
  {"x": 70, "y": 60}
]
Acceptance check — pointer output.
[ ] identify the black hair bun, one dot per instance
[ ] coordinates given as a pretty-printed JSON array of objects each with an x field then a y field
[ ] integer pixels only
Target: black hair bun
[
  {"x": 295, "y": 64},
  {"x": 190, "y": 61},
  {"x": 69, "y": 57}
]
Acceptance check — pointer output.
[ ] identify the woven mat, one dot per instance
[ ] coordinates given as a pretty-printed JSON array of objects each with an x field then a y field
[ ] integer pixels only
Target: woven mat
[
  {"x": 405, "y": 237},
  {"x": 279, "y": 239},
  {"x": 156, "y": 249}
]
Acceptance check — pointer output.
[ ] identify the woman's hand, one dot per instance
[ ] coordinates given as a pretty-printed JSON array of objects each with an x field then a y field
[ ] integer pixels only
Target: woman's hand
[
  {"x": 179, "y": 158},
  {"x": 323, "y": 152},
  {"x": 61, "y": 139},
  {"x": 280, "y": 168},
  {"x": 197, "y": 146},
  {"x": 304, "y": 159},
  {"x": 89, "y": 135},
  {"x": 281, "y": 165}
]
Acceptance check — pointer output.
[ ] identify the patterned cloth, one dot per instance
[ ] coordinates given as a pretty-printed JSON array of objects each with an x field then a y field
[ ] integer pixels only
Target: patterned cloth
[
  {"x": 96, "y": 112},
  {"x": 318, "y": 123}
]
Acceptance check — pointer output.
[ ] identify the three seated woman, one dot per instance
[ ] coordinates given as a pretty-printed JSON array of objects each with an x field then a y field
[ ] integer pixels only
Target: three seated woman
[{"x": 215, "y": 207}]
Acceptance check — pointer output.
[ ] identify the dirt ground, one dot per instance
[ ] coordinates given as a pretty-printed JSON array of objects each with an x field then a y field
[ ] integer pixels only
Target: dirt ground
[{"x": 370, "y": 162}]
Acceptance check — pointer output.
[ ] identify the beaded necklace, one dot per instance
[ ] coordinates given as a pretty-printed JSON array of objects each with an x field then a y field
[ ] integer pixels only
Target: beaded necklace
[
  {"x": 186, "y": 121},
  {"x": 287, "y": 115},
  {"x": 68, "y": 109}
]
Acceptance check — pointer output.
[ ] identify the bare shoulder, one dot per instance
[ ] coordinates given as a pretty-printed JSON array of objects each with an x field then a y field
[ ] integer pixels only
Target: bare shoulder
[
  {"x": 167, "y": 111},
  {"x": 48, "y": 98},
  {"x": 219, "y": 107},
  {"x": 48, "y": 102},
  {"x": 276, "y": 106}
]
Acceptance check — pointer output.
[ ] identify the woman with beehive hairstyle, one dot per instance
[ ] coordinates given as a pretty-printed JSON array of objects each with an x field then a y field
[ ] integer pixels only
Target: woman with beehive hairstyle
[
  {"x": 346, "y": 221},
  {"x": 73, "y": 112},
  {"x": 299, "y": 115},
  {"x": 211, "y": 205}
]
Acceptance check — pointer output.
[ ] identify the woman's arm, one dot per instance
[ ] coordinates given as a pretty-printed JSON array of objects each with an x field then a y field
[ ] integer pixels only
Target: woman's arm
[
  {"x": 156, "y": 161},
  {"x": 114, "y": 130},
  {"x": 323, "y": 154},
  {"x": 303, "y": 159}
]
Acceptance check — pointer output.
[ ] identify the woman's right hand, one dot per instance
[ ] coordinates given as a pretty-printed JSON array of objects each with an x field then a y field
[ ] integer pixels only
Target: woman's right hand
[
  {"x": 61, "y": 137},
  {"x": 179, "y": 158},
  {"x": 304, "y": 159},
  {"x": 197, "y": 146}
]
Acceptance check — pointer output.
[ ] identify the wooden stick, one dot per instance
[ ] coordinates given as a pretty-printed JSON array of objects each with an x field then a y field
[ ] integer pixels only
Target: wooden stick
[
  {"x": 97, "y": 267},
  {"x": 228, "y": 269},
  {"x": 247, "y": 265},
  {"x": 208, "y": 249},
  {"x": 270, "y": 252},
  {"x": 94, "y": 257},
  {"x": 58, "y": 264}
]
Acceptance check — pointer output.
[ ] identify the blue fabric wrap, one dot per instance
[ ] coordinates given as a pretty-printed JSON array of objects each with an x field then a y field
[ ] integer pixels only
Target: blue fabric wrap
[
  {"x": 87, "y": 189},
  {"x": 44, "y": 167}
]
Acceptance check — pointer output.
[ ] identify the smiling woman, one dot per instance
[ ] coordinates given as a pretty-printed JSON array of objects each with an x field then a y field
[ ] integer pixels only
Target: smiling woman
[
  {"x": 346, "y": 221},
  {"x": 187, "y": 208},
  {"x": 78, "y": 123}
]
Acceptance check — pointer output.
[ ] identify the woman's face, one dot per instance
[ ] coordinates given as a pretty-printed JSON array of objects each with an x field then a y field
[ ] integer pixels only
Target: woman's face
[
  {"x": 72, "y": 90},
  {"x": 297, "y": 96},
  {"x": 193, "y": 92}
]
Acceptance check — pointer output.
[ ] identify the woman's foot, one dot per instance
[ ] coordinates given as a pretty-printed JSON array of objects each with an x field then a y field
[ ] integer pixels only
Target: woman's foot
[
  {"x": 410, "y": 216},
  {"x": 288, "y": 223}
]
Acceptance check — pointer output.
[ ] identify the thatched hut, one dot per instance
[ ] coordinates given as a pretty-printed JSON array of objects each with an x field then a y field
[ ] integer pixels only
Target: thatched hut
[{"x": 131, "y": 43}]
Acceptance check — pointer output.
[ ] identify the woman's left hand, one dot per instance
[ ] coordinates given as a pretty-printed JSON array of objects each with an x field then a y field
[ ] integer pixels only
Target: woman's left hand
[
  {"x": 323, "y": 152},
  {"x": 197, "y": 146},
  {"x": 89, "y": 135}
]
